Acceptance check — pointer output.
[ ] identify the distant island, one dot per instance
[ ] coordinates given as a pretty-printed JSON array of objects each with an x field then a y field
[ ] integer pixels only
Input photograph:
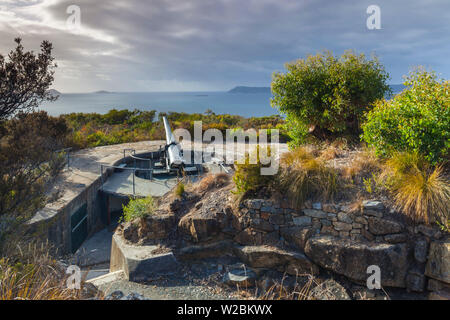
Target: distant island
[
  {"x": 244, "y": 89},
  {"x": 54, "y": 92},
  {"x": 103, "y": 91}
]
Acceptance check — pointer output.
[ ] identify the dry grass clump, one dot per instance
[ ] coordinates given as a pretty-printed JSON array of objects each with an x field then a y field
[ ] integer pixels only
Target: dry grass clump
[
  {"x": 330, "y": 153},
  {"x": 302, "y": 176},
  {"x": 364, "y": 164},
  {"x": 212, "y": 181},
  {"x": 32, "y": 274},
  {"x": 278, "y": 291},
  {"x": 419, "y": 190}
]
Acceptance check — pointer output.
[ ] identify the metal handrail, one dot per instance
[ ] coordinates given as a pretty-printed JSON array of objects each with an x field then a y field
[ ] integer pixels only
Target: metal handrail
[
  {"x": 125, "y": 150},
  {"x": 124, "y": 168}
]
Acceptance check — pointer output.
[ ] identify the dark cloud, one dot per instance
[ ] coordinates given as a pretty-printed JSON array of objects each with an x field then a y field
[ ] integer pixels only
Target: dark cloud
[{"x": 133, "y": 45}]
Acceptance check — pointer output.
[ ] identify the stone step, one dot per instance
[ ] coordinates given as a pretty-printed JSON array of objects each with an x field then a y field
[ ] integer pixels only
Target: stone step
[{"x": 107, "y": 278}]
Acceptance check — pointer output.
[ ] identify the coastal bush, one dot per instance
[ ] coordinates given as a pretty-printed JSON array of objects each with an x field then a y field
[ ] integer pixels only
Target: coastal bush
[
  {"x": 419, "y": 190},
  {"x": 302, "y": 177},
  {"x": 416, "y": 120},
  {"x": 247, "y": 176},
  {"x": 179, "y": 189},
  {"x": 327, "y": 95},
  {"x": 138, "y": 208}
]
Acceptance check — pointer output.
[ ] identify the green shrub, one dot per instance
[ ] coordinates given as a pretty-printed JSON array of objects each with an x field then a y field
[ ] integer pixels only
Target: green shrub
[
  {"x": 248, "y": 177},
  {"x": 327, "y": 94},
  {"x": 138, "y": 208},
  {"x": 179, "y": 190},
  {"x": 416, "y": 120}
]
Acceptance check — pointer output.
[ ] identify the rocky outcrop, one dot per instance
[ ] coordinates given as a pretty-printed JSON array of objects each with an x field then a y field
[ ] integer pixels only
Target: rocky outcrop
[
  {"x": 379, "y": 226},
  {"x": 352, "y": 258},
  {"x": 153, "y": 227},
  {"x": 205, "y": 224},
  {"x": 273, "y": 258},
  {"x": 438, "y": 265}
]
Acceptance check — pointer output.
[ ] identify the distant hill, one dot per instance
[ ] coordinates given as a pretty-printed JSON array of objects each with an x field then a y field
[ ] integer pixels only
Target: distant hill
[
  {"x": 243, "y": 89},
  {"x": 103, "y": 91},
  {"x": 54, "y": 92}
]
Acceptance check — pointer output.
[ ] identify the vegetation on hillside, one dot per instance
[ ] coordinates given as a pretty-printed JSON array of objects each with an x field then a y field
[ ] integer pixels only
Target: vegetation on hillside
[
  {"x": 121, "y": 126},
  {"x": 417, "y": 120},
  {"x": 327, "y": 95}
]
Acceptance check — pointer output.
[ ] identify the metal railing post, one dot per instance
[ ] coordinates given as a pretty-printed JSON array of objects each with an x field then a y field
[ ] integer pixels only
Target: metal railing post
[
  {"x": 101, "y": 176},
  {"x": 134, "y": 188}
]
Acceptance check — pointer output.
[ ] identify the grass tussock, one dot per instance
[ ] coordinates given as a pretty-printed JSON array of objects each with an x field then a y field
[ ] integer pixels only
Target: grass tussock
[
  {"x": 302, "y": 177},
  {"x": 419, "y": 190},
  {"x": 364, "y": 164},
  {"x": 179, "y": 189},
  {"x": 30, "y": 273},
  {"x": 211, "y": 182}
]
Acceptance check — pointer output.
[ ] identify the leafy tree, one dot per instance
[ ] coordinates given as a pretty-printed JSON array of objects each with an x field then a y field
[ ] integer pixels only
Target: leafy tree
[
  {"x": 25, "y": 78},
  {"x": 27, "y": 140},
  {"x": 417, "y": 120},
  {"x": 329, "y": 95}
]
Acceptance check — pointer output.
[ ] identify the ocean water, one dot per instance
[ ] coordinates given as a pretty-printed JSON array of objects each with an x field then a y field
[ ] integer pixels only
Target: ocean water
[{"x": 244, "y": 104}]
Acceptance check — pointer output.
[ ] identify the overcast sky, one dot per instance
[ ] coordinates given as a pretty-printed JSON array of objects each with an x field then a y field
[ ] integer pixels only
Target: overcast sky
[{"x": 199, "y": 45}]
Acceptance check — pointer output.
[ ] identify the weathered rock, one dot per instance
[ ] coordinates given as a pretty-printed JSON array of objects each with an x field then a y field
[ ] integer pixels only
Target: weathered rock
[
  {"x": 150, "y": 228},
  {"x": 344, "y": 217},
  {"x": 317, "y": 205},
  {"x": 246, "y": 237},
  {"x": 271, "y": 238},
  {"x": 373, "y": 213},
  {"x": 429, "y": 231},
  {"x": 421, "y": 250},
  {"x": 351, "y": 258},
  {"x": 367, "y": 234},
  {"x": 438, "y": 264},
  {"x": 134, "y": 296},
  {"x": 297, "y": 235},
  {"x": 439, "y": 295},
  {"x": 210, "y": 250},
  {"x": 203, "y": 225},
  {"x": 261, "y": 224},
  {"x": 395, "y": 238},
  {"x": 274, "y": 258},
  {"x": 115, "y": 295},
  {"x": 373, "y": 205},
  {"x": 435, "y": 285},
  {"x": 329, "y": 290},
  {"x": 254, "y": 204},
  {"x": 276, "y": 219},
  {"x": 379, "y": 226},
  {"x": 302, "y": 221},
  {"x": 329, "y": 208},
  {"x": 342, "y": 226},
  {"x": 415, "y": 281},
  {"x": 315, "y": 213}
]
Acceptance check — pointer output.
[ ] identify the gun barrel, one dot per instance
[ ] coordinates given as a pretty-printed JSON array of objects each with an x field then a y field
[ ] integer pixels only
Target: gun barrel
[{"x": 173, "y": 149}]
